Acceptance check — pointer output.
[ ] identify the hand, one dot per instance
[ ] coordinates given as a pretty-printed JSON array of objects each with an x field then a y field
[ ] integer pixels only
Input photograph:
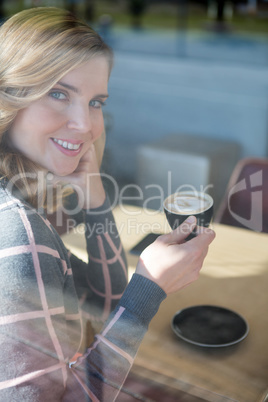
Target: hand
[
  {"x": 86, "y": 181},
  {"x": 173, "y": 263}
]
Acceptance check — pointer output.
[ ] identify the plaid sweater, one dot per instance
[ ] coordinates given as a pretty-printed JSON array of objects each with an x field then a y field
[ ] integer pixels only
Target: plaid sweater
[{"x": 44, "y": 294}]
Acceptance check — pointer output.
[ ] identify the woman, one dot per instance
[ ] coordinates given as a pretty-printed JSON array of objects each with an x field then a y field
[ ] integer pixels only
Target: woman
[{"x": 54, "y": 74}]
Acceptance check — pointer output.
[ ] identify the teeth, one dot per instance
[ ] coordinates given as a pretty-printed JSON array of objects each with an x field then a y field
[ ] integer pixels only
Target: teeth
[{"x": 66, "y": 145}]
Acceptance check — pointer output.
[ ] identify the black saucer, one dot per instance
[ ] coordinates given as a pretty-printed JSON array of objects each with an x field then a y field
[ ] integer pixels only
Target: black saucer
[{"x": 209, "y": 326}]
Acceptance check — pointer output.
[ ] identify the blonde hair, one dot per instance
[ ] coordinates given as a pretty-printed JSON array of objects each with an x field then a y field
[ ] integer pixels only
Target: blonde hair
[{"x": 37, "y": 48}]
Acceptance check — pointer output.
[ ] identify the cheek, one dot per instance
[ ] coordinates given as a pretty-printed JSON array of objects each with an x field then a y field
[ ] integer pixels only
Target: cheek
[
  {"x": 98, "y": 127},
  {"x": 49, "y": 121},
  {"x": 43, "y": 119}
]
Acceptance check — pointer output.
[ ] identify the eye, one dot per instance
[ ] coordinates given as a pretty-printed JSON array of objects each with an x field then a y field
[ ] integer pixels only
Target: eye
[
  {"x": 96, "y": 104},
  {"x": 59, "y": 95}
]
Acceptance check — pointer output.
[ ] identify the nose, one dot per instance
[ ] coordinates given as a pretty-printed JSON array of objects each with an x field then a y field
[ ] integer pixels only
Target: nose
[{"x": 79, "y": 119}]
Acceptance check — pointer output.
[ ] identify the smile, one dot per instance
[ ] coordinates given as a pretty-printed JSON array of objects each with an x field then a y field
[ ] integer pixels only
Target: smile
[{"x": 67, "y": 145}]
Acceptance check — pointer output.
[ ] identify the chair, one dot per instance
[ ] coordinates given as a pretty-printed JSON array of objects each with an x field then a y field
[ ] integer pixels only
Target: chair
[{"x": 245, "y": 203}]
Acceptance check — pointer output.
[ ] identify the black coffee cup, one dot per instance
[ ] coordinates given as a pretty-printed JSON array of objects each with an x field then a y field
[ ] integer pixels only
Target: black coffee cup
[{"x": 179, "y": 206}]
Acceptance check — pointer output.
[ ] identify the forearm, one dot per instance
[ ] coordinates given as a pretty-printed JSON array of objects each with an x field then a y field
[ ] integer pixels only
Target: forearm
[
  {"x": 101, "y": 283},
  {"x": 111, "y": 356}
]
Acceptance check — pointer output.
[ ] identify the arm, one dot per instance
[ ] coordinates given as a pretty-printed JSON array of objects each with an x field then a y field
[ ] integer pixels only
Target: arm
[
  {"x": 169, "y": 261},
  {"x": 111, "y": 356},
  {"x": 100, "y": 283}
]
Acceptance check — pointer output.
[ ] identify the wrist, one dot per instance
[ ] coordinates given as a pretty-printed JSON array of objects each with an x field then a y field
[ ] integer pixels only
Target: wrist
[
  {"x": 92, "y": 195},
  {"x": 95, "y": 202},
  {"x": 142, "y": 297}
]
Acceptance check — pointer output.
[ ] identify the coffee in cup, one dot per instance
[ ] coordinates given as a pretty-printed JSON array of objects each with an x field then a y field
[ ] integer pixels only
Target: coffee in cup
[{"x": 179, "y": 206}]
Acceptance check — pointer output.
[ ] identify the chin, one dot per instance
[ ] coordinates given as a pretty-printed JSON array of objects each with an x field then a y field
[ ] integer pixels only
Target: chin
[
  {"x": 64, "y": 173},
  {"x": 64, "y": 170}
]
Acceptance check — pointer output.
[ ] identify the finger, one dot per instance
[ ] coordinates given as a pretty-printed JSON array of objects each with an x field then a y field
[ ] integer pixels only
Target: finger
[
  {"x": 203, "y": 229},
  {"x": 99, "y": 147},
  {"x": 204, "y": 236},
  {"x": 90, "y": 155},
  {"x": 181, "y": 232}
]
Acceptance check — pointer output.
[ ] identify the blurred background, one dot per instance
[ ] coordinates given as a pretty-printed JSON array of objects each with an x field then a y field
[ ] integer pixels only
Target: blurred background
[{"x": 188, "y": 92}]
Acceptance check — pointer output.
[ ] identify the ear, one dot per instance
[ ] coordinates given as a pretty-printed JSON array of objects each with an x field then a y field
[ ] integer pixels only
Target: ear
[{"x": 99, "y": 147}]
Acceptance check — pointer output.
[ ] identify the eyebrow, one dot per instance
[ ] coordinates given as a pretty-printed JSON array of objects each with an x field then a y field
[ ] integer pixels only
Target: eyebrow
[
  {"x": 68, "y": 86},
  {"x": 76, "y": 90}
]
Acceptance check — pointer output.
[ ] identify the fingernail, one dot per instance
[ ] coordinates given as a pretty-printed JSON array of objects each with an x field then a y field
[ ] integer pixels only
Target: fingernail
[{"x": 190, "y": 219}]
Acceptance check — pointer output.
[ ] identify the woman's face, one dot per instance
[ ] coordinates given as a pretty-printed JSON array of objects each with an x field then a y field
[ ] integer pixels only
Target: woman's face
[{"x": 58, "y": 129}]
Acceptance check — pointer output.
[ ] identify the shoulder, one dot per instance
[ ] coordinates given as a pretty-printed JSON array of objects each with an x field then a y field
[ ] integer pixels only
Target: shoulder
[
  {"x": 11, "y": 216},
  {"x": 23, "y": 225}
]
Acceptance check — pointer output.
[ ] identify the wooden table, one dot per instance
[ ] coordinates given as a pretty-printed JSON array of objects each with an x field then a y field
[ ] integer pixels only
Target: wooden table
[{"x": 235, "y": 276}]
